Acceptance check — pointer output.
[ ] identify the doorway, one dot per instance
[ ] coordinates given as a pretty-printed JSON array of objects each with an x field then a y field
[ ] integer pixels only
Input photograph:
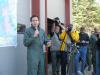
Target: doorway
[{"x": 55, "y": 8}]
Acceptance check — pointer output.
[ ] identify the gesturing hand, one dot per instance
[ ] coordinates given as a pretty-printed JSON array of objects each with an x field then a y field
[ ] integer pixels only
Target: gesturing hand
[{"x": 49, "y": 44}]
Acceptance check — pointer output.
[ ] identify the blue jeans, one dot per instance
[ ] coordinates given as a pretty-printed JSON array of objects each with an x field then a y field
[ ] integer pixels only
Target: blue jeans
[
  {"x": 80, "y": 54},
  {"x": 98, "y": 62},
  {"x": 55, "y": 58}
]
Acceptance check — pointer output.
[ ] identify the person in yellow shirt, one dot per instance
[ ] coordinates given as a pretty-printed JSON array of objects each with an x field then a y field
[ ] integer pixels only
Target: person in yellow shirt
[
  {"x": 65, "y": 46},
  {"x": 68, "y": 36}
]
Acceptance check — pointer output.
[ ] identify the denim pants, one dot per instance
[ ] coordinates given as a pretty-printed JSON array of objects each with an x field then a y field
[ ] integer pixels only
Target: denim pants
[
  {"x": 55, "y": 58},
  {"x": 98, "y": 62},
  {"x": 80, "y": 54}
]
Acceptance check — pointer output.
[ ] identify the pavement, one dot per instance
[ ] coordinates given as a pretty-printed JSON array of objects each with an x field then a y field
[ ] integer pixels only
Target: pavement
[{"x": 86, "y": 70}]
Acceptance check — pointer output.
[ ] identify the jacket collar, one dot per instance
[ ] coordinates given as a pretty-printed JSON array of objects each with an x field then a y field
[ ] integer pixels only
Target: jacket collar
[{"x": 34, "y": 28}]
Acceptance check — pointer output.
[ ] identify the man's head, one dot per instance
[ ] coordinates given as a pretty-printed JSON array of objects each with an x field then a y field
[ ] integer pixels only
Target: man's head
[
  {"x": 34, "y": 21},
  {"x": 70, "y": 27},
  {"x": 57, "y": 29},
  {"x": 82, "y": 29},
  {"x": 96, "y": 30}
]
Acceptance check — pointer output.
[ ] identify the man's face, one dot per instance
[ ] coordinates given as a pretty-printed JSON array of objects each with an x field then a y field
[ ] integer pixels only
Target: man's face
[
  {"x": 82, "y": 30},
  {"x": 70, "y": 27},
  {"x": 57, "y": 29},
  {"x": 96, "y": 30},
  {"x": 35, "y": 22}
]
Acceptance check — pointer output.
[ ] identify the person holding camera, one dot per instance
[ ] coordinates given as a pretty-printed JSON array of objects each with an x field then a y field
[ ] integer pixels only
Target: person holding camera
[
  {"x": 98, "y": 55},
  {"x": 93, "y": 48}
]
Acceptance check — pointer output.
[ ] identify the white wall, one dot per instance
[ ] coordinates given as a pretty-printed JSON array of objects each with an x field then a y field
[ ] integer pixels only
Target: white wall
[
  {"x": 56, "y": 8},
  {"x": 23, "y": 11},
  {"x": 7, "y": 61},
  {"x": 13, "y": 60},
  {"x": 42, "y": 14}
]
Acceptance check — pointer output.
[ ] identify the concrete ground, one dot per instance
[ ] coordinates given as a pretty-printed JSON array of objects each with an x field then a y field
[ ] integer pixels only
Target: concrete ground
[{"x": 86, "y": 70}]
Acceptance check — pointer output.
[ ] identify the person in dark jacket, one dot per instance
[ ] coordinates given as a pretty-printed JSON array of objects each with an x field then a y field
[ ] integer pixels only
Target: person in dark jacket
[
  {"x": 93, "y": 48},
  {"x": 82, "y": 52},
  {"x": 98, "y": 55},
  {"x": 34, "y": 38}
]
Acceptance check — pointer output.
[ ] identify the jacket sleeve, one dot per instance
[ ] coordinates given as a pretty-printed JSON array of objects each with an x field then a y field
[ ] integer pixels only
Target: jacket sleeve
[
  {"x": 91, "y": 42},
  {"x": 28, "y": 38},
  {"x": 87, "y": 38},
  {"x": 46, "y": 39},
  {"x": 98, "y": 43}
]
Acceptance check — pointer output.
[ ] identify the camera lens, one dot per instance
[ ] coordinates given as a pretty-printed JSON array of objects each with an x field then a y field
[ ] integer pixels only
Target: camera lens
[{"x": 97, "y": 35}]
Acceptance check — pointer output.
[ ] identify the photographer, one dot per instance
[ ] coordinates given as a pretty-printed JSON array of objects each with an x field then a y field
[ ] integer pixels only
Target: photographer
[
  {"x": 98, "y": 54},
  {"x": 93, "y": 48},
  {"x": 98, "y": 41}
]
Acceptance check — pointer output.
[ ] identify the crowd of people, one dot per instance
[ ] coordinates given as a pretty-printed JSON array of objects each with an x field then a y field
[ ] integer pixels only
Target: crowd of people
[{"x": 69, "y": 49}]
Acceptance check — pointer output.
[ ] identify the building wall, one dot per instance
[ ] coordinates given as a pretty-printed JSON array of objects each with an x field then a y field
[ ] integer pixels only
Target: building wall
[
  {"x": 23, "y": 11},
  {"x": 13, "y": 59},
  {"x": 42, "y": 14},
  {"x": 56, "y": 8}
]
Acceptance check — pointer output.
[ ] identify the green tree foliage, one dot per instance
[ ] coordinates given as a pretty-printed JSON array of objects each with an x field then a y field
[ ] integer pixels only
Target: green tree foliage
[{"x": 86, "y": 13}]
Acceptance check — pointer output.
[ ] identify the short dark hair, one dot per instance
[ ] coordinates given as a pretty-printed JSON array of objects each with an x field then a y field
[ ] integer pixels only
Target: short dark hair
[
  {"x": 33, "y": 17},
  {"x": 82, "y": 28}
]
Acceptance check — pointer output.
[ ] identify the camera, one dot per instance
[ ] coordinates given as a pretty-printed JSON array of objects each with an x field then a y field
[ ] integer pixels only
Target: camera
[{"x": 98, "y": 35}]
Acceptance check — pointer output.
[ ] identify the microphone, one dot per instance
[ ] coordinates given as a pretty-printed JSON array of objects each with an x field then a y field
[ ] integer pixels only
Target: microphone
[{"x": 36, "y": 32}]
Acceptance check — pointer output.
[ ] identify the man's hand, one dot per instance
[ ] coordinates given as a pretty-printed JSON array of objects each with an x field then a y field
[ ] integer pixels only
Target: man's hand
[
  {"x": 49, "y": 44},
  {"x": 36, "y": 33},
  {"x": 83, "y": 41}
]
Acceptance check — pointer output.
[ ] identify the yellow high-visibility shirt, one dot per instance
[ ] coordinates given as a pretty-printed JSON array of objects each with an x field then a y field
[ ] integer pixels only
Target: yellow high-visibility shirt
[
  {"x": 75, "y": 36},
  {"x": 63, "y": 37}
]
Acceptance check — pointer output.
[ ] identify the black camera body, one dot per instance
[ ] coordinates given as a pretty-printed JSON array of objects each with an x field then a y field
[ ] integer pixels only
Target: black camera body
[{"x": 98, "y": 35}]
